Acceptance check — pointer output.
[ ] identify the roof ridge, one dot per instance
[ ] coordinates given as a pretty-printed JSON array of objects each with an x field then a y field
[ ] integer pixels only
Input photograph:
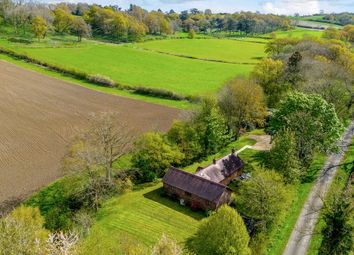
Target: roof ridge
[
  {"x": 198, "y": 177},
  {"x": 228, "y": 155}
]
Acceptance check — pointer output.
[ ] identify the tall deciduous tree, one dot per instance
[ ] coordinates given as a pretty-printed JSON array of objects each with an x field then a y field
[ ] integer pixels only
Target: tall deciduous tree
[
  {"x": 152, "y": 155},
  {"x": 313, "y": 121},
  {"x": 242, "y": 103},
  {"x": 339, "y": 227},
  {"x": 39, "y": 27},
  {"x": 109, "y": 138},
  {"x": 63, "y": 20},
  {"x": 262, "y": 198},
  {"x": 186, "y": 137},
  {"x": 222, "y": 233},
  {"x": 268, "y": 74},
  {"x": 80, "y": 28},
  {"x": 283, "y": 156},
  {"x": 211, "y": 126}
]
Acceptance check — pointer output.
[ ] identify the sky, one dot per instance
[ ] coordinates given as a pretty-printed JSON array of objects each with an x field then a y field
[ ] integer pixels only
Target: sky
[{"x": 264, "y": 6}]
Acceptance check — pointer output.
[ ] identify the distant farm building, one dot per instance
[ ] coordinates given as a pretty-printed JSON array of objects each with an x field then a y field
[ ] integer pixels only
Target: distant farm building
[{"x": 207, "y": 188}]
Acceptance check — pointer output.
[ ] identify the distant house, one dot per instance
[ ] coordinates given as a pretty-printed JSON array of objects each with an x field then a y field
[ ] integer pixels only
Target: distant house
[{"x": 207, "y": 188}]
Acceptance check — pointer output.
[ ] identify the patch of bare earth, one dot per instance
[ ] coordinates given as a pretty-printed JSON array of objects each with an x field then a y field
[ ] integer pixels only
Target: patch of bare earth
[
  {"x": 39, "y": 115},
  {"x": 262, "y": 142}
]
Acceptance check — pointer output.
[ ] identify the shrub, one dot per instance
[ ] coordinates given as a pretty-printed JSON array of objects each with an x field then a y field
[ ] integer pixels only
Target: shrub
[
  {"x": 263, "y": 198},
  {"x": 191, "y": 34},
  {"x": 283, "y": 156},
  {"x": 19, "y": 40},
  {"x": 56, "y": 206},
  {"x": 158, "y": 93},
  {"x": 102, "y": 80},
  {"x": 22, "y": 232},
  {"x": 166, "y": 246},
  {"x": 152, "y": 155},
  {"x": 222, "y": 233}
]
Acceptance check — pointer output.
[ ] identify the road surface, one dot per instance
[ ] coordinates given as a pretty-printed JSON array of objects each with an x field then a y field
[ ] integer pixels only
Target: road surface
[{"x": 300, "y": 238}]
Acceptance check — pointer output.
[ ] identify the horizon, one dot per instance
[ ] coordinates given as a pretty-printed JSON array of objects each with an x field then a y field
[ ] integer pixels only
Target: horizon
[{"x": 279, "y": 7}]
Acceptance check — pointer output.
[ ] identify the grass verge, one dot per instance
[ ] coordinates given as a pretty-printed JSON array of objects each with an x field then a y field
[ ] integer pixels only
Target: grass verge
[
  {"x": 279, "y": 236},
  {"x": 338, "y": 183}
]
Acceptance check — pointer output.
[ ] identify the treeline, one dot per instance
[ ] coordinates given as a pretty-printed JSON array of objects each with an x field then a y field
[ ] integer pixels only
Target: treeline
[
  {"x": 344, "y": 18},
  {"x": 132, "y": 24},
  {"x": 345, "y": 34}
]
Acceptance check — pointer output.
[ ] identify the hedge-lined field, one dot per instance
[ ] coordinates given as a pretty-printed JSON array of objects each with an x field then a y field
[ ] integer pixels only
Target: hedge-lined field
[
  {"x": 212, "y": 49},
  {"x": 138, "y": 68},
  {"x": 299, "y": 33}
]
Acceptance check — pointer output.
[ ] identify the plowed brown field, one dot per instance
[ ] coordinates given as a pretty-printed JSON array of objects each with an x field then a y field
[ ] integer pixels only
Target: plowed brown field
[{"x": 38, "y": 117}]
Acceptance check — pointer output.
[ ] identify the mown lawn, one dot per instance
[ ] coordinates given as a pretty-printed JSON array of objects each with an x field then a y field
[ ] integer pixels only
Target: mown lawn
[
  {"x": 145, "y": 214},
  {"x": 214, "y": 49},
  {"x": 136, "y": 67}
]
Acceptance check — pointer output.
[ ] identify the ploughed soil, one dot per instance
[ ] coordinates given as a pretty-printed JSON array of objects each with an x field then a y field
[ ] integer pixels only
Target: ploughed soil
[{"x": 39, "y": 115}]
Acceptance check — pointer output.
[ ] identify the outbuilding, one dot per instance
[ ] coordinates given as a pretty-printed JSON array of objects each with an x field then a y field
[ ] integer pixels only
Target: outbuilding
[{"x": 207, "y": 188}]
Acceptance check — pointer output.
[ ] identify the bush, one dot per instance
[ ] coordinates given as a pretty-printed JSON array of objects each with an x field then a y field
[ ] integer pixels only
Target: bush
[
  {"x": 19, "y": 40},
  {"x": 22, "y": 232},
  {"x": 222, "y": 233},
  {"x": 158, "y": 93},
  {"x": 102, "y": 80},
  {"x": 56, "y": 206},
  {"x": 153, "y": 156},
  {"x": 263, "y": 198}
]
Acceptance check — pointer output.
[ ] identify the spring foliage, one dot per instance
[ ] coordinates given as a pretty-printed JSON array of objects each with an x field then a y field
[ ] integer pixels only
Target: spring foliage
[{"x": 222, "y": 233}]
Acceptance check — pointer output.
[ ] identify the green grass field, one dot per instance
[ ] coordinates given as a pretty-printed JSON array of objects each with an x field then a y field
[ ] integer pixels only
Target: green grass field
[
  {"x": 299, "y": 33},
  {"x": 113, "y": 91},
  {"x": 136, "y": 67},
  {"x": 212, "y": 49},
  {"x": 317, "y": 19}
]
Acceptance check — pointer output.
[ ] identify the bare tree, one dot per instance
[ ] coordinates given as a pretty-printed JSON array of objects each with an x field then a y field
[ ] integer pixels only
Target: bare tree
[
  {"x": 111, "y": 139},
  {"x": 62, "y": 243},
  {"x": 107, "y": 139}
]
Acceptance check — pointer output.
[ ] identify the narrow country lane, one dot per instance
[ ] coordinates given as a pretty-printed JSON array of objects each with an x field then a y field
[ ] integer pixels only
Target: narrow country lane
[{"x": 300, "y": 238}]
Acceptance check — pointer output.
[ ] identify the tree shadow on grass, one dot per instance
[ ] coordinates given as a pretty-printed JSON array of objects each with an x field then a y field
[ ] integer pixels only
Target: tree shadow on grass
[
  {"x": 158, "y": 195},
  {"x": 314, "y": 169}
]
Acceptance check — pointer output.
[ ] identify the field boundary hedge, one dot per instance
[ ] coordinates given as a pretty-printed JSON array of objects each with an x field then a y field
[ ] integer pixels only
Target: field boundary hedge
[
  {"x": 99, "y": 79},
  {"x": 196, "y": 58}
]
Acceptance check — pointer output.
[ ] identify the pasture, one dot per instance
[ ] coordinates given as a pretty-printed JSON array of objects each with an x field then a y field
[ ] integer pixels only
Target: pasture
[
  {"x": 213, "y": 49},
  {"x": 141, "y": 68},
  {"x": 39, "y": 116},
  {"x": 298, "y": 33}
]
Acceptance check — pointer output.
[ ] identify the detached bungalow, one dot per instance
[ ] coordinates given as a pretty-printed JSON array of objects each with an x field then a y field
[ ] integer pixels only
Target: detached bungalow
[{"x": 207, "y": 188}]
